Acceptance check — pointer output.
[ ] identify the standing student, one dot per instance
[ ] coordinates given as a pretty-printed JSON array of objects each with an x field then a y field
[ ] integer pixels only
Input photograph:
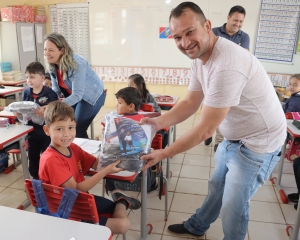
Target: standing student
[
  {"x": 231, "y": 31},
  {"x": 250, "y": 121},
  {"x": 38, "y": 141},
  {"x": 137, "y": 81},
  {"x": 73, "y": 77}
]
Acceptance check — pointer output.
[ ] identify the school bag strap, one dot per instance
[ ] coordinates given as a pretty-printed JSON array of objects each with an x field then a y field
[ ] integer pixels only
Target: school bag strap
[
  {"x": 67, "y": 202},
  {"x": 65, "y": 206}
]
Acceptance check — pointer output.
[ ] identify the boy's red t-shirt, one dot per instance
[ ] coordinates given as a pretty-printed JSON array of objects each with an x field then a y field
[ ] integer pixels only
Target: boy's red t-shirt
[{"x": 56, "y": 168}]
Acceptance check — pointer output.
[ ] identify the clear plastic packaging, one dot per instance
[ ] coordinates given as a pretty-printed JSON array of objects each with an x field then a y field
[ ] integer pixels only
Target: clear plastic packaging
[
  {"x": 27, "y": 110},
  {"x": 124, "y": 139}
]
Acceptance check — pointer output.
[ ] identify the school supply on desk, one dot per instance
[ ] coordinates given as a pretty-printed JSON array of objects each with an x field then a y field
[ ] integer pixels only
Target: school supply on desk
[
  {"x": 5, "y": 67},
  {"x": 12, "y": 76},
  {"x": 163, "y": 98},
  {"x": 293, "y": 145},
  {"x": 90, "y": 146},
  {"x": 4, "y": 122},
  {"x": 124, "y": 139},
  {"x": 296, "y": 123},
  {"x": 27, "y": 110}
]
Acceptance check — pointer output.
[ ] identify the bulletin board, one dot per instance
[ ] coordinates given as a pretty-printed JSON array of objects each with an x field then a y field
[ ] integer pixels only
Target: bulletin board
[
  {"x": 127, "y": 32},
  {"x": 72, "y": 21},
  {"x": 277, "y": 36}
]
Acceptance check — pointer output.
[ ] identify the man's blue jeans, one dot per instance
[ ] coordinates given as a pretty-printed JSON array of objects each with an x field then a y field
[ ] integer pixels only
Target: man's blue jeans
[
  {"x": 239, "y": 172},
  {"x": 85, "y": 114}
]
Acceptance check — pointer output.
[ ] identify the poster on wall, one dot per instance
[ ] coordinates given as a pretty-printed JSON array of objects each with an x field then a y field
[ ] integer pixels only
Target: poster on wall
[
  {"x": 298, "y": 46},
  {"x": 277, "y": 35},
  {"x": 72, "y": 21}
]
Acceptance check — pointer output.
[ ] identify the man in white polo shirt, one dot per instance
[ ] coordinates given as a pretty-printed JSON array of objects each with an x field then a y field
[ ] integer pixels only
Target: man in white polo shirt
[
  {"x": 231, "y": 31},
  {"x": 240, "y": 99}
]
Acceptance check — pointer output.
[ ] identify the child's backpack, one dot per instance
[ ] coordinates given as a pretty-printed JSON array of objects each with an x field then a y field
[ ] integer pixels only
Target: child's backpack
[
  {"x": 3, "y": 160},
  {"x": 152, "y": 174}
]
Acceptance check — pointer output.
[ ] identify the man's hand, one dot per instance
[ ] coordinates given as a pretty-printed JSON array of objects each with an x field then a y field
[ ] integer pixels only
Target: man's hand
[
  {"x": 152, "y": 158},
  {"x": 151, "y": 121}
]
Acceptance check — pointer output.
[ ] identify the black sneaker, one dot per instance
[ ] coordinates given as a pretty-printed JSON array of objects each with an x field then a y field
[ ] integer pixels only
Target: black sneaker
[
  {"x": 133, "y": 203},
  {"x": 293, "y": 197},
  {"x": 179, "y": 229},
  {"x": 216, "y": 147},
  {"x": 296, "y": 206},
  {"x": 208, "y": 141}
]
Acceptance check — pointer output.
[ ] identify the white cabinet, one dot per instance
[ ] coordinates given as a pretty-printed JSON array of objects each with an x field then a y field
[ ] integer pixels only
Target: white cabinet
[{"x": 22, "y": 43}]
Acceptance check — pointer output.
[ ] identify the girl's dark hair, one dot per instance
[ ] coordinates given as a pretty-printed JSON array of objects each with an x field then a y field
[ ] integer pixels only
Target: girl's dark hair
[{"x": 140, "y": 83}]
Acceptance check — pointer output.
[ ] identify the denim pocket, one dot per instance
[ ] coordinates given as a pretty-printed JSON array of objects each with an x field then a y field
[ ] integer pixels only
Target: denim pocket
[{"x": 249, "y": 157}]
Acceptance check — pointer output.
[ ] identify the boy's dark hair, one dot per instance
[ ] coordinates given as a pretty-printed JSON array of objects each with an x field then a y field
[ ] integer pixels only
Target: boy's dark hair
[
  {"x": 58, "y": 111},
  {"x": 130, "y": 95},
  {"x": 181, "y": 8},
  {"x": 238, "y": 9},
  {"x": 297, "y": 76},
  {"x": 47, "y": 76},
  {"x": 140, "y": 83},
  {"x": 35, "y": 68}
]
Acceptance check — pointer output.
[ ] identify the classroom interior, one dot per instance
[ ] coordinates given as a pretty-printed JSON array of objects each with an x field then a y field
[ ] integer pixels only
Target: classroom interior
[{"x": 188, "y": 186}]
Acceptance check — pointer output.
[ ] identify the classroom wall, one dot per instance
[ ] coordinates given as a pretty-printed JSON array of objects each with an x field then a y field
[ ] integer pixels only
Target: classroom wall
[{"x": 219, "y": 17}]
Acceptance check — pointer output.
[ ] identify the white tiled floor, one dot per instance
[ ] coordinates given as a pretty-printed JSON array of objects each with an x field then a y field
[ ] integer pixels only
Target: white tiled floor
[{"x": 187, "y": 190}]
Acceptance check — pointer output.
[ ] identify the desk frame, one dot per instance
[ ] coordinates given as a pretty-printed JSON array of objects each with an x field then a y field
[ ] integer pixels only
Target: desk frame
[
  {"x": 291, "y": 232},
  {"x": 21, "y": 139}
]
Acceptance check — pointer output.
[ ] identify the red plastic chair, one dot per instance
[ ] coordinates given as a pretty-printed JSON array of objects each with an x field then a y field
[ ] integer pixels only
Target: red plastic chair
[
  {"x": 83, "y": 208},
  {"x": 147, "y": 107},
  {"x": 16, "y": 153}
]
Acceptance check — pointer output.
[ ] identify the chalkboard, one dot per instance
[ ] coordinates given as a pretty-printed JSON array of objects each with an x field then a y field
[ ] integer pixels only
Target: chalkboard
[{"x": 126, "y": 32}]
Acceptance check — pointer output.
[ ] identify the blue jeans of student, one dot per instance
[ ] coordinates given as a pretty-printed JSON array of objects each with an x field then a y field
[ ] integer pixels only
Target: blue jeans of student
[
  {"x": 85, "y": 113},
  {"x": 239, "y": 172}
]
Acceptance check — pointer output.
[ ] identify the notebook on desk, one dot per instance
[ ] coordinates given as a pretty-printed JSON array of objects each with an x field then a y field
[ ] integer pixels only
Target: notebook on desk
[{"x": 90, "y": 146}]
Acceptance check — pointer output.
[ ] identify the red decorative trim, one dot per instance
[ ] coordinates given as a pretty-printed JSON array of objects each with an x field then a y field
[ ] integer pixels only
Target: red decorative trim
[{"x": 16, "y": 137}]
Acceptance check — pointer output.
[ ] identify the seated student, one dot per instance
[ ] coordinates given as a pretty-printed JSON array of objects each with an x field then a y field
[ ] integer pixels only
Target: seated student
[
  {"x": 65, "y": 164},
  {"x": 137, "y": 81},
  {"x": 38, "y": 141},
  {"x": 47, "y": 81},
  {"x": 129, "y": 102},
  {"x": 293, "y": 103}
]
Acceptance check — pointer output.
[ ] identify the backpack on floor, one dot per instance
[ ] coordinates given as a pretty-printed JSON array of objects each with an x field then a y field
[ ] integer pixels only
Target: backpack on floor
[
  {"x": 3, "y": 160},
  {"x": 136, "y": 184}
]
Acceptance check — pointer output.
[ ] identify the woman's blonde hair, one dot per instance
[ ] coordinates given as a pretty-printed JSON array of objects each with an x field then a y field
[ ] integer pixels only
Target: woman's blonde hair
[{"x": 67, "y": 62}]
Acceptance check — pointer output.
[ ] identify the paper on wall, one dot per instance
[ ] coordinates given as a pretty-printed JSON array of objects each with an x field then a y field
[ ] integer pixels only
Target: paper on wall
[
  {"x": 27, "y": 39},
  {"x": 39, "y": 34}
]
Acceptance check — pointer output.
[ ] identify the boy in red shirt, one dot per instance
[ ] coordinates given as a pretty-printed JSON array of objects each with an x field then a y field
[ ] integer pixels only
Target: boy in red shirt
[{"x": 65, "y": 164}]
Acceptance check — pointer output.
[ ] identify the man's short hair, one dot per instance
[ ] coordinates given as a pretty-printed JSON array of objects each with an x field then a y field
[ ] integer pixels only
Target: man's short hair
[
  {"x": 58, "y": 111},
  {"x": 238, "y": 9},
  {"x": 35, "y": 68},
  {"x": 181, "y": 8},
  {"x": 130, "y": 95}
]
